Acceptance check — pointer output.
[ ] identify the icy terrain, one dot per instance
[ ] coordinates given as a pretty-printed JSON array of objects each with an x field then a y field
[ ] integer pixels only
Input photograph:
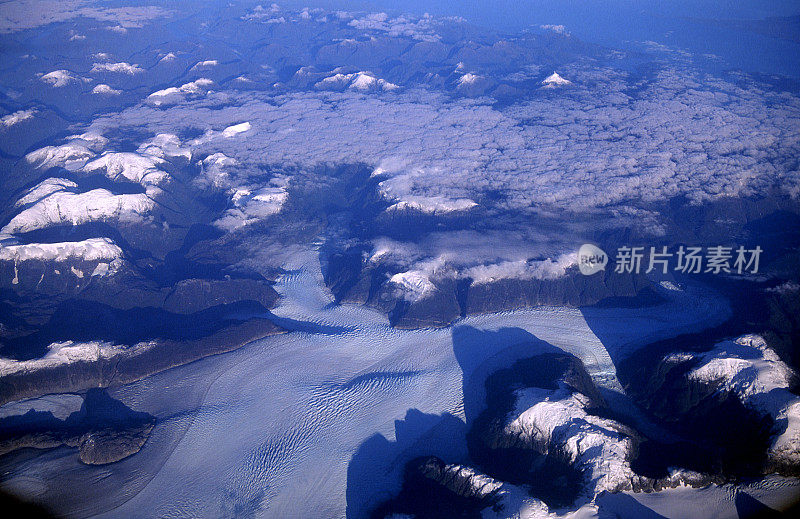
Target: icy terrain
[{"x": 281, "y": 419}]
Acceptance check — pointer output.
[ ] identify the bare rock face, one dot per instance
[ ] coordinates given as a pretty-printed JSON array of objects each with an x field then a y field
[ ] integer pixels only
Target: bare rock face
[
  {"x": 541, "y": 419},
  {"x": 106, "y": 364},
  {"x": 417, "y": 301},
  {"x": 547, "y": 438},
  {"x": 107, "y": 446},
  {"x": 739, "y": 384},
  {"x": 104, "y": 430}
]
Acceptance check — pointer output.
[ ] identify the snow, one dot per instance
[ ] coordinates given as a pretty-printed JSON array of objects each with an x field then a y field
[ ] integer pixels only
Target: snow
[
  {"x": 16, "y": 117},
  {"x": 554, "y": 80},
  {"x": 785, "y": 288},
  {"x": 281, "y": 419},
  {"x": 64, "y": 207},
  {"x": 93, "y": 249},
  {"x": 433, "y": 204},
  {"x": 122, "y": 68},
  {"x": 142, "y": 169},
  {"x": 59, "y": 78},
  {"x": 206, "y": 64},
  {"x": 415, "y": 283},
  {"x": 360, "y": 81},
  {"x": 670, "y": 285},
  {"x": 60, "y": 405},
  {"x": 364, "y": 81},
  {"x": 45, "y": 188},
  {"x": 174, "y": 95},
  {"x": 60, "y": 353},
  {"x": 468, "y": 79},
  {"x": 104, "y": 89},
  {"x": 558, "y": 29},
  {"x": 750, "y": 369},
  {"x": 593, "y": 445},
  {"x": 712, "y": 502},
  {"x": 71, "y": 156}
]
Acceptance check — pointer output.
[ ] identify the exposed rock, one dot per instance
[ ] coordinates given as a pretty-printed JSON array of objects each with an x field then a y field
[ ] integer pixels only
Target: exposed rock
[
  {"x": 103, "y": 431},
  {"x": 739, "y": 385},
  {"x": 126, "y": 364}
]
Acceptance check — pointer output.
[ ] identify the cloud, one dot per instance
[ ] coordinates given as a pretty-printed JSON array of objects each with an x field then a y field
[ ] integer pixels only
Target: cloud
[
  {"x": 416, "y": 284},
  {"x": 521, "y": 269},
  {"x": 483, "y": 257},
  {"x": 236, "y": 129},
  {"x": 422, "y": 28},
  {"x": 677, "y": 137},
  {"x": 28, "y": 14},
  {"x": 252, "y": 206}
]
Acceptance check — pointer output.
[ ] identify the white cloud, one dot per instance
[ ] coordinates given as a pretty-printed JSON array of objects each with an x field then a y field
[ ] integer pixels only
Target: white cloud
[
  {"x": 236, "y": 129},
  {"x": 543, "y": 154},
  {"x": 27, "y": 14},
  {"x": 422, "y": 28},
  {"x": 254, "y": 205},
  {"x": 165, "y": 146},
  {"x": 521, "y": 269}
]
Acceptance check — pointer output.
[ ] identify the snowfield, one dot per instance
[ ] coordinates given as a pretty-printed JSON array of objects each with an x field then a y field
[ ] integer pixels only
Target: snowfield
[{"x": 319, "y": 422}]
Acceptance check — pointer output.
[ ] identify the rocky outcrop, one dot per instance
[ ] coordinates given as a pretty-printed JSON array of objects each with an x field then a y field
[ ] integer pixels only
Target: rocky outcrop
[
  {"x": 739, "y": 384},
  {"x": 450, "y": 296},
  {"x": 548, "y": 439},
  {"x": 109, "y": 366},
  {"x": 104, "y": 430}
]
